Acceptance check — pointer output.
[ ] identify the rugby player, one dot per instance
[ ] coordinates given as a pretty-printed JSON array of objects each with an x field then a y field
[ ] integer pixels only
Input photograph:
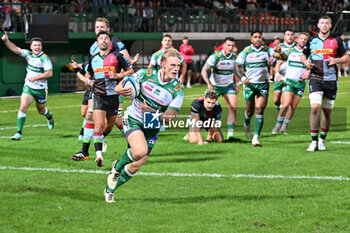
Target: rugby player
[
  {"x": 252, "y": 68},
  {"x": 280, "y": 69},
  {"x": 222, "y": 80},
  {"x": 324, "y": 52},
  {"x": 102, "y": 24},
  {"x": 39, "y": 69},
  {"x": 205, "y": 109},
  {"x": 295, "y": 76},
  {"x": 160, "y": 92},
  {"x": 167, "y": 43},
  {"x": 106, "y": 68}
]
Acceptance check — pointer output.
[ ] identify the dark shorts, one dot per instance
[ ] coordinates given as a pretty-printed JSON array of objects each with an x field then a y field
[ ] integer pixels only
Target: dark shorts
[
  {"x": 189, "y": 66},
  {"x": 329, "y": 88},
  {"x": 109, "y": 104},
  {"x": 87, "y": 97}
]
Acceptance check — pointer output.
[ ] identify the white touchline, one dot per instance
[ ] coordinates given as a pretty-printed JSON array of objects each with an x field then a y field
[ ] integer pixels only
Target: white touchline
[
  {"x": 26, "y": 126},
  {"x": 339, "y": 142},
  {"x": 213, "y": 175}
]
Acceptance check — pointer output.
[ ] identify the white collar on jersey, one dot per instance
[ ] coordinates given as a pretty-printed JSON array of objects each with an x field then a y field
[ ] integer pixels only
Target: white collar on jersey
[{"x": 253, "y": 47}]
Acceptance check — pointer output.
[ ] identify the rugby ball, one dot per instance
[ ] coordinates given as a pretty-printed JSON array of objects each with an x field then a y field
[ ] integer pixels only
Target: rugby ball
[{"x": 131, "y": 81}]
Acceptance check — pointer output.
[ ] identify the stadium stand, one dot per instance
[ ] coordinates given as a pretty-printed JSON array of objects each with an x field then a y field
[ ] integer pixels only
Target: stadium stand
[{"x": 183, "y": 16}]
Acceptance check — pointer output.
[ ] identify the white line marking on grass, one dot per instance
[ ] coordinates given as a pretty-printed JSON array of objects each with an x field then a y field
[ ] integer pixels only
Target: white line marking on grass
[
  {"x": 34, "y": 109},
  {"x": 213, "y": 175},
  {"x": 26, "y": 126},
  {"x": 339, "y": 142}
]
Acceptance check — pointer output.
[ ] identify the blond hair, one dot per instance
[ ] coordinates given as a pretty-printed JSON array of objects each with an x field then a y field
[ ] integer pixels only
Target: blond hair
[
  {"x": 170, "y": 53},
  {"x": 104, "y": 20}
]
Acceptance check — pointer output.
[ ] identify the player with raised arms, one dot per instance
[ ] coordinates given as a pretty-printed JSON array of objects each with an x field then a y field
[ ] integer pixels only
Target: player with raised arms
[
  {"x": 161, "y": 93},
  {"x": 39, "y": 69}
]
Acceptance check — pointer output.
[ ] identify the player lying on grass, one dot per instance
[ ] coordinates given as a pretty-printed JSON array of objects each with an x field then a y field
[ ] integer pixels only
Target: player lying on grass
[
  {"x": 207, "y": 111},
  {"x": 160, "y": 92}
]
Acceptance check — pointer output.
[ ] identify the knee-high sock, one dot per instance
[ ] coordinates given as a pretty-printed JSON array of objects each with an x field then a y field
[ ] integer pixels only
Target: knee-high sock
[
  {"x": 126, "y": 159},
  {"x": 21, "y": 119},
  {"x": 258, "y": 123}
]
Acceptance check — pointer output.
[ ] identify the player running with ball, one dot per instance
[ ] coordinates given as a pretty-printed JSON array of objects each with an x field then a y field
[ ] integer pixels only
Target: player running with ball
[{"x": 160, "y": 92}]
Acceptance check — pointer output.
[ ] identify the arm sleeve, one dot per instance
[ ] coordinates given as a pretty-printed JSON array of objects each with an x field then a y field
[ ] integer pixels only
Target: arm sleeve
[
  {"x": 25, "y": 53},
  {"x": 307, "y": 51},
  {"x": 84, "y": 67},
  {"x": 241, "y": 57},
  {"x": 89, "y": 68},
  {"x": 178, "y": 100},
  {"x": 341, "y": 51},
  {"x": 118, "y": 45},
  {"x": 47, "y": 63},
  {"x": 195, "y": 107},
  {"x": 153, "y": 61},
  {"x": 123, "y": 62},
  {"x": 211, "y": 60},
  {"x": 218, "y": 112}
]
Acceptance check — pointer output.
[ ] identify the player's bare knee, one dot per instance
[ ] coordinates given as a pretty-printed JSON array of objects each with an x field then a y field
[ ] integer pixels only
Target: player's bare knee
[{"x": 139, "y": 153}]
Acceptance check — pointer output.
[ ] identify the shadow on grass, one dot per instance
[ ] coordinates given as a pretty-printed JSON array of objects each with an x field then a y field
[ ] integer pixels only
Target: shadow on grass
[
  {"x": 184, "y": 160},
  {"x": 203, "y": 199}
]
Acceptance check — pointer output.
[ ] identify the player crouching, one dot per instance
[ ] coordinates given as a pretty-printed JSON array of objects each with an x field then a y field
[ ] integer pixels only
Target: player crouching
[{"x": 205, "y": 109}]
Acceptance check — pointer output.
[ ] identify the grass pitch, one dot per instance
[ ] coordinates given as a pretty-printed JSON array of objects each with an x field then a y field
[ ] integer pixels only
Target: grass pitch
[{"x": 228, "y": 187}]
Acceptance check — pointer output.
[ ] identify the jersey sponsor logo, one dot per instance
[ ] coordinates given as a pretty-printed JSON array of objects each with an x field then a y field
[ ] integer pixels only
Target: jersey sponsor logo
[
  {"x": 178, "y": 87},
  {"x": 149, "y": 72},
  {"x": 153, "y": 140},
  {"x": 170, "y": 90},
  {"x": 323, "y": 51},
  {"x": 148, "y": 87},
  {"x": 104, "y": 69}
]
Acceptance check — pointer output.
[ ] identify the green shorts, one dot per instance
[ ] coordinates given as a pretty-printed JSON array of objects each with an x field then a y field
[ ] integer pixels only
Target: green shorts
[
  {"x": 229, "y": 89},
  {"x": 38, "y": 94},
  {"x": 296, "y": 87},
  {"x": 130, "y": 125},
  {"x": 255, "y": 89},
  {"x": 278, "y": 86}
]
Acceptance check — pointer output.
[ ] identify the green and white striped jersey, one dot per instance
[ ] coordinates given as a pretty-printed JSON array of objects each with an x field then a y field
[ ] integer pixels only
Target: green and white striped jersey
[
  {"x": 256, "y": 62},
  {"x": 222, "y": 68},
  {"x": 283, "y": 67},
  {"x": 295, "y": 69},
  {"x": 157, "y": 94},
  {"x": 36, "y": 65}
]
